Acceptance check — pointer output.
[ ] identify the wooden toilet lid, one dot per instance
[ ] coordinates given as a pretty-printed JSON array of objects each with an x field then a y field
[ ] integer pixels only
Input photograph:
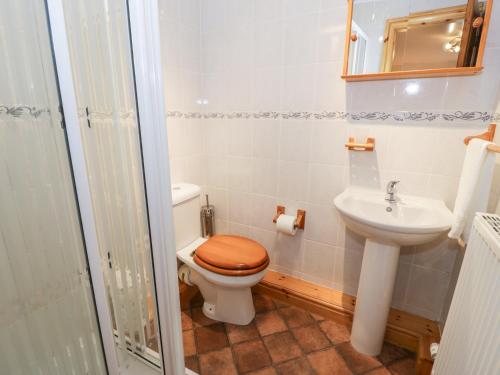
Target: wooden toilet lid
[
  {"x": 226, "y": 272},
  {"x": 231, "y": 253}
]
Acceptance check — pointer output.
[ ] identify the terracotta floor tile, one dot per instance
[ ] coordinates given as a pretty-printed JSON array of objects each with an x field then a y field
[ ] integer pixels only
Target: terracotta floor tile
[
  {"x": 269, "y": 323},
  {"x": 212, "y": 337},
  {"x": 336, "y": 332},
  {"x": 280, "y": 304},
  {"x": 356, "y": 361},
  {"x": 188, "y": 342},
  {"x": 192, "y": 363},
  {"x": 404, "y": 367},
  {"x": 295, "y": 317},
  {"x": 238, "y": 333},
  {"x": 378, "y": 371},
  {"x": 187, "y": 323},
  {"x": 299, "y": 366},
  {"x": 199, "y": 319},
  {"x": 263, "y": 303},
  {"x": 310, "y": 338},
  {"x": 219, "y": 362},
  {"x": 328, "y": 362},
  {"x": 282, "y": 347},
  {"x": 264, "y": 371},
  {"x": 251, "y": 355},
  {"x": 391, "y": 353}
]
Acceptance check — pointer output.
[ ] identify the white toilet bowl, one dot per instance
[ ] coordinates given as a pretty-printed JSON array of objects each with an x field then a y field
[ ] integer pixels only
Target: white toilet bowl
[{"x": 226, "y": 298}]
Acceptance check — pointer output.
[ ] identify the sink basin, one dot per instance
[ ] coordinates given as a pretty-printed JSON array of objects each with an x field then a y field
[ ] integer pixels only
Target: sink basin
[
  {"x": 409, "y": 221},
  {"x": 386, "y": 226}
]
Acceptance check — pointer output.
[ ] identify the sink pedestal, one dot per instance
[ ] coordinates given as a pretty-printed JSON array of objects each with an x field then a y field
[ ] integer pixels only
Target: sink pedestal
[{"x": 373, "y": 301}]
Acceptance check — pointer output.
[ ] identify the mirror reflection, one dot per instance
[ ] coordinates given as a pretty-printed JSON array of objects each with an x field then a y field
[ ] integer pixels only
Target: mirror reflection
[{"x": 406, "y": 35}]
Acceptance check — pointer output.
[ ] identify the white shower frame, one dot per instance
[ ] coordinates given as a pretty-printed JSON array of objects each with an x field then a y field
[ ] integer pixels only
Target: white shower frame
[{"x": 145, "y": 31}]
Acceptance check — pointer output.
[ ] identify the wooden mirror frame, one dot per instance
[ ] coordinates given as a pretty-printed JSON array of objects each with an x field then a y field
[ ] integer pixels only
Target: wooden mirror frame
[{"x": 424, "y": 73}]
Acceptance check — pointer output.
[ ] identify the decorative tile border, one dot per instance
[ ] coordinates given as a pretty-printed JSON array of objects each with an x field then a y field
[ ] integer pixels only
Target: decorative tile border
[
  {"x": 21, "y": 111},
  {"x": 457, "y": 116},
  {"x": 106, "y": 115}
]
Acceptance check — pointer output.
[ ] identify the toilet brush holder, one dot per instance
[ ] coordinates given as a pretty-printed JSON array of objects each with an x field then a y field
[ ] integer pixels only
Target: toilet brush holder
[{"x": 207, "y": 217}]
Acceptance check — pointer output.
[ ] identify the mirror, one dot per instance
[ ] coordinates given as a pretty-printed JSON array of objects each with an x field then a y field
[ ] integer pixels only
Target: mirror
[{"x": 388, "y": 39}]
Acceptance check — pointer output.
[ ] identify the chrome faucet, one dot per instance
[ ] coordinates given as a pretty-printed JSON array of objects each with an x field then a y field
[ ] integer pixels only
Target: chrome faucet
[{"x": 391, "y": 191}]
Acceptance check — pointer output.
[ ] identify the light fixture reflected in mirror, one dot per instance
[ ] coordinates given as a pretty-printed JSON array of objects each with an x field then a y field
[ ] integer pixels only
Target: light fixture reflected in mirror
[
  {"x": 389, "y": 39},
  {"x": 453, "y": 46}
]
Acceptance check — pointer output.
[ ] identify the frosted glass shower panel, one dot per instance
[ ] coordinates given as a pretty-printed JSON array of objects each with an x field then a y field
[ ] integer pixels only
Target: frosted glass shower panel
[
  {"x": 102, "y": 69},
  {"x": 47, "y": 315}
]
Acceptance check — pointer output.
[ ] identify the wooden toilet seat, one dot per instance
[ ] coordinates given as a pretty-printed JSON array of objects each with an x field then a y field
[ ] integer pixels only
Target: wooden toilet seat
[{"x": 231, "y": 256}]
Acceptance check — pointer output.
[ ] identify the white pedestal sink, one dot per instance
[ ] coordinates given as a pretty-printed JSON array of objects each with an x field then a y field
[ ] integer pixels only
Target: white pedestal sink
[{"x": 387, "y": 227}]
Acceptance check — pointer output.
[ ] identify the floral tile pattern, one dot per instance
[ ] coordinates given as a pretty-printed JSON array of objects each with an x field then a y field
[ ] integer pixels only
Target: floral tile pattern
[
  {"x": 23, "y": 111},
  {"x": 399, "y": 116}
]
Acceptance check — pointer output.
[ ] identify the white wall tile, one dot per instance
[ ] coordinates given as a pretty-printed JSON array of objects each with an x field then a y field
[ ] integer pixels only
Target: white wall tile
[
  {"x": 289, "y": 251},
  {"x": 300, "y": 39},
  {"x": 427, "y": 289},
  {"x": 239, "y": 207},
  {"x": 295, "y": 140},
  {"x": 269, "y": 43},
  {"x": 216, "y": 170},
  {"x": 265, "y": 176},
  {"x": 298, "y": 88},
  {"x": 239, "y": 137},
  {"x": 292, "y": 180},
  {"x": 267, "y": 239},
  {"x": 347, "y": 270},
  {"x": 325, "y": 182},
  {"x": 218, "y": 198},
  {"x": 319, "y": 260},
  {"x": 263, "y": 209},
  {"x": 322, "y": 224},
  {"x": 239, "y": 173},
  {"x": 266, "y": 139},
  {"x": 330, "y": 93},
  {"x": 268, "y": 9},
  {"x": 237, "y": 229},
  {"x": 216, "y": 140},
  {"x": 331, "y": 38},
  {"x": 439, "y": 254},
  {"x": 295, "y": 8},
  {"x": 327, "y": 142},
  {"x": 401, "y": 285}
]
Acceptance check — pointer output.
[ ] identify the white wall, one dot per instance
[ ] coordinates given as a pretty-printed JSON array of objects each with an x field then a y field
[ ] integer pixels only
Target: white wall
[
  {"x": 286, "y": 55},
  {"x": 181, "y": 48}
]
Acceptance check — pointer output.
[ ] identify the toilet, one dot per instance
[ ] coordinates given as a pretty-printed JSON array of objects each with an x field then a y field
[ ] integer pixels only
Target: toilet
[{"x": 224, "y": 267}]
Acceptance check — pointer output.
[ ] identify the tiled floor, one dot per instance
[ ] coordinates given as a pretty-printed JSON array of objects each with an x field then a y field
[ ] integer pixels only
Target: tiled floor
[{"x": 282, "y": 339}]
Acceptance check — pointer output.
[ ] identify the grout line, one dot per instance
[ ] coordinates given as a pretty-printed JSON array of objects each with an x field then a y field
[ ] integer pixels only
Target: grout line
[{"x": 277, "y": 309}]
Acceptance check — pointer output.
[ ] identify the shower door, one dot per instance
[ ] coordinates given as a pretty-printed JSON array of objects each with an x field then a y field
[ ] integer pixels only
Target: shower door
[
  {"x": 102, "y": 71},
  {"x": 48, "y": 322}
]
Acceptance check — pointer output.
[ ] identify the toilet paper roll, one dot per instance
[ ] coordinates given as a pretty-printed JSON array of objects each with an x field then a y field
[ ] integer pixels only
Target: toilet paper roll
[{"x": 285, "y": 224}]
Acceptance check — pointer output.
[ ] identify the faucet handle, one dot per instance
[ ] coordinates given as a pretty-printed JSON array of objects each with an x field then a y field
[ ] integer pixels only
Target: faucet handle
[{"x": 391, "y": 186}]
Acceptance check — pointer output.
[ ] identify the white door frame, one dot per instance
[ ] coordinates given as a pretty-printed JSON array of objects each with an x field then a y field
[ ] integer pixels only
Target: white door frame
[
  {"x": 145, "y": 31},
  {"x": 77, "y": 156}
]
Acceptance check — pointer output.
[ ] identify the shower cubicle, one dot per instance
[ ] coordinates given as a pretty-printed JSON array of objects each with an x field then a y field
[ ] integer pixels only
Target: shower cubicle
[{"x": 84, "y": 213}]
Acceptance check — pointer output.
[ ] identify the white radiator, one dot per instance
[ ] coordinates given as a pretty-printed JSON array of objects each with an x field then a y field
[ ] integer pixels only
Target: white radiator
[{"x": 471, "y": 337}]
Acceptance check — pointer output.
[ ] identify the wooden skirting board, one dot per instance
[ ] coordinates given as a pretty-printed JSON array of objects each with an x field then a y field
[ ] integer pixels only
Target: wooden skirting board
[{"x": 403, "y": 329}]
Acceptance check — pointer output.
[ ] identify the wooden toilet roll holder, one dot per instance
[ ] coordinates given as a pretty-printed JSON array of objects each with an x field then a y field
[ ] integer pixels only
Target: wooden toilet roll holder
[{"x": 300, "y": 220}]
